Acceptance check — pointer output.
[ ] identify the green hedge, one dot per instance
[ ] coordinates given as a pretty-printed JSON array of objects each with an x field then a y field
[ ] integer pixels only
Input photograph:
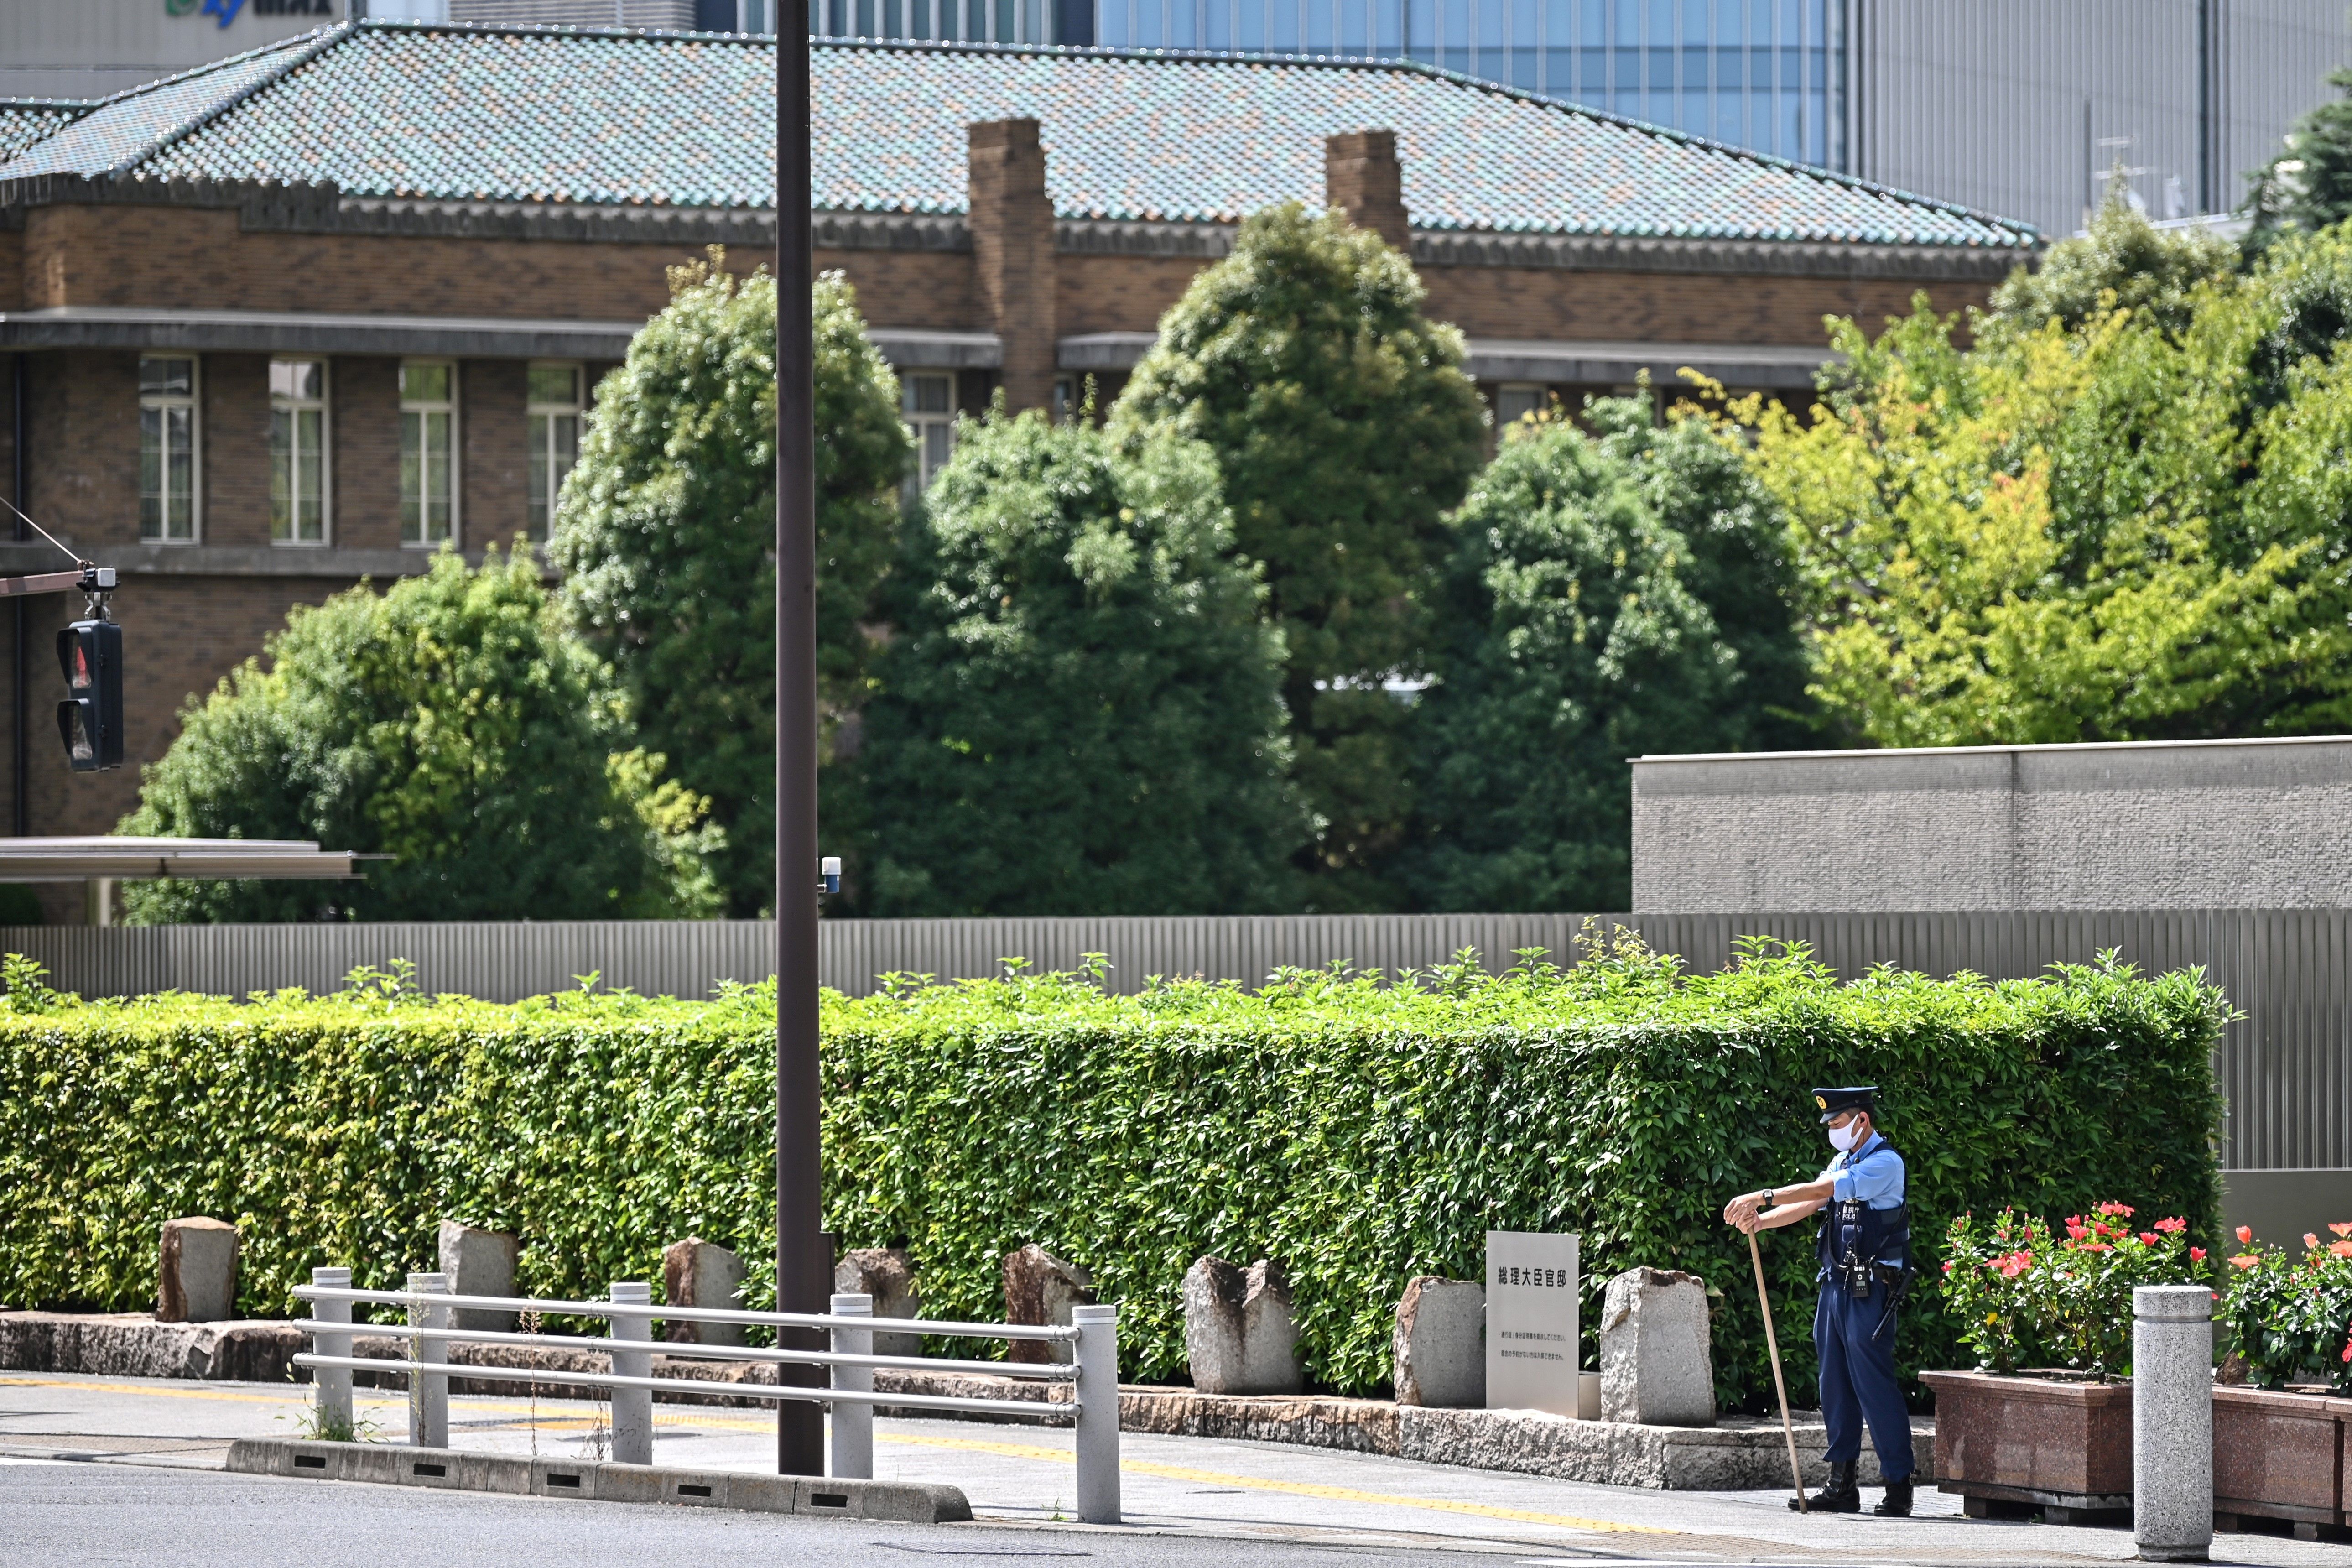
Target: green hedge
[{"x": 1360, "y": 1134}]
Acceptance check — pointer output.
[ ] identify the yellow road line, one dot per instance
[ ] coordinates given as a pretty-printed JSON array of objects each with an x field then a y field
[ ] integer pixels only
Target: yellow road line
[
  {"x": 1291, "y": 1489},
  {"x": 1009, "y": 1450}
]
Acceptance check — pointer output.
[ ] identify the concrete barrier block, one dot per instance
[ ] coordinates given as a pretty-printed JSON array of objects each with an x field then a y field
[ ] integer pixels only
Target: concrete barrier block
[
  {"x": 763, "y": 1494},
  {"x": 699, "y": 1273},
  {"x": 1439, "y": 1345},
  {"x": 478, "y": 1263},
  {"x": 697, "y": 1489},
  {"x": 509, "y": 1473},
  {"x": 440, "y": 1468},
  {"x": 196, "y": 1271},
  {"x": 564, "y": 1477},
  {"x": 629, "y": 1483},
  {"x": 381, "y": 1464}
]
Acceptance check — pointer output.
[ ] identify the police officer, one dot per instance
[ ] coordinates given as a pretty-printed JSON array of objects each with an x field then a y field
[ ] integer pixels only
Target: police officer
[{"x": 1864, "y": 1247}]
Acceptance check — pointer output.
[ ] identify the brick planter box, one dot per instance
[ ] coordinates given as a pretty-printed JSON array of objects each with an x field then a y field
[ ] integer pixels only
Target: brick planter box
[
  {"x": 2055, "y": 1443},
  {"x": 2278, "y": 1455}
]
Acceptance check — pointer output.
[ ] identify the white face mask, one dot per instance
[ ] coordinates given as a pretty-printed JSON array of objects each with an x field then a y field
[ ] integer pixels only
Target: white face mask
[{"x": 1843, "y": 1139}]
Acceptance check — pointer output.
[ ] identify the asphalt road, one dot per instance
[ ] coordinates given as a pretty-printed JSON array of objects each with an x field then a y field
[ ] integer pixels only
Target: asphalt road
[{"x": 128, "y": 1470}]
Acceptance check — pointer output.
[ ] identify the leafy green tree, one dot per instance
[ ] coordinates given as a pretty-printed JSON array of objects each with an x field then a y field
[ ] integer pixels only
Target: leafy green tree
[
  {"x": 452, "y": 724},
  {"x": 2124, "y": 262},
  {"x": 2116, "y": 532},
  {"x": 1577, "y": 631},
  {"x": 667, "y": 537},
  {"x": 1346, "y": 428},
  {"x": 1080, "y": 712},
  {"x": 2308, "y": 185}
]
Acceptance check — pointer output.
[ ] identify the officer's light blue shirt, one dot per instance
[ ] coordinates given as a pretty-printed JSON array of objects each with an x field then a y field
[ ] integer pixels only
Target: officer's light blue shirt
[{"x": 1872, "y": 1173}]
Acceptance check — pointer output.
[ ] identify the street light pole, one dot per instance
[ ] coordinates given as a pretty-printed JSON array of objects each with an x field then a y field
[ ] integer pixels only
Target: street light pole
[{"x": 802, "y": 1269}]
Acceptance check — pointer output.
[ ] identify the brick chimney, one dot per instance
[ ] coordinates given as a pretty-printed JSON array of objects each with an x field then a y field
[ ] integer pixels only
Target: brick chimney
[
  {"x": 1013, "y": 254},
  {"x": 1362, "y": 178}
]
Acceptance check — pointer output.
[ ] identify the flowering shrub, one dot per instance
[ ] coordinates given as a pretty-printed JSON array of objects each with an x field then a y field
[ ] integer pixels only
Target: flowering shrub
[
  {"x": 2289, "y": 1314},
  {"x": 2027, "y": 1297}
]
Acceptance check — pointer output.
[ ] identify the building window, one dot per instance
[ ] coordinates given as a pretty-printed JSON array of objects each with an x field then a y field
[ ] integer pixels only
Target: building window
[
  {"x": 298, "y": 451},
  {"x": 167, "y": 449},
  {"x": 927, "y": 402},
  {"x": 755, "y": 16},
  {"x": 554, "y": 440},
  {"x": 1514, "y": 401},
  {"x": 429, "y": 469}
]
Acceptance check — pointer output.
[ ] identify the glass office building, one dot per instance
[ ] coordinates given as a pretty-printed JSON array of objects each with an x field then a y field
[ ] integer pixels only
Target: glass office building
[{"x": 1763, "y": 74}]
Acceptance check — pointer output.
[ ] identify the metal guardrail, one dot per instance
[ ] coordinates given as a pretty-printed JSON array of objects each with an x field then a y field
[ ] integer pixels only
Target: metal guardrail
[{"x": 1092, "y": 1368}]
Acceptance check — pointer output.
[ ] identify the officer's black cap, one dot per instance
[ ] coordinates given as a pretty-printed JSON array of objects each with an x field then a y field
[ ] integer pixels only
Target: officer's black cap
[{"x": 1838, "y": 1101}]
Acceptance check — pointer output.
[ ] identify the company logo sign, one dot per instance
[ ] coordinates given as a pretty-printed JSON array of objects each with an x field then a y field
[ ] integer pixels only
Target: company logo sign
[{"x": 226, "y": 11}]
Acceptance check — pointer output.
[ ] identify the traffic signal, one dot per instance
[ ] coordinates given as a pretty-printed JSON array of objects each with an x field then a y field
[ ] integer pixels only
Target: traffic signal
[{"x": 90, "y": 718}]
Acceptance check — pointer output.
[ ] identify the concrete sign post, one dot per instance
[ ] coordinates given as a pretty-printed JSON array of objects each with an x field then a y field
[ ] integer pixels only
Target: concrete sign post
[{"x": 1533, "y": 1343}]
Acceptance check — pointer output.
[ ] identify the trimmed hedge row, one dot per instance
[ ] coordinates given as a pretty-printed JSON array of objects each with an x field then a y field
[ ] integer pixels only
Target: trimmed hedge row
[{"x": 1360, "y": 1134}]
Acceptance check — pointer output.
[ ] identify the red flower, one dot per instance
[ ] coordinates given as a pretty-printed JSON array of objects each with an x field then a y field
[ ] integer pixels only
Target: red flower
[
  {"x": 2342, "y": 1228},
  {"x": 2347, "y": 1350},
  {"x": 2196, "y": 1255},
  {"x": 2341, "y": 1248},
  {"x": 2120, "y": 1210},
  {"x": 2076, "y": 1232},
  {"x": 2169, "y": 1225},
  {"x": 2245, "y": 1234},
  {"x": 2098, "y": 1247},
  {"x": 1947, "y": 1265},
  {"x": 2309, "y": 1239},
  {"x": 2244, "y": 1260},
  {"x": 2147, "y": 1238}
]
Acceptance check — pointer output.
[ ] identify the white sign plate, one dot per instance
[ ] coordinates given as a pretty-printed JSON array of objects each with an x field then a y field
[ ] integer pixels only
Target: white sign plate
[{"x": 1533, "y": 1348}]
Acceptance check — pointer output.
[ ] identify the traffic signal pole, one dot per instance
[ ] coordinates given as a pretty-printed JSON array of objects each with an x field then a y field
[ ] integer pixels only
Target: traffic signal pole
[{"x": 804, "y": 1269}]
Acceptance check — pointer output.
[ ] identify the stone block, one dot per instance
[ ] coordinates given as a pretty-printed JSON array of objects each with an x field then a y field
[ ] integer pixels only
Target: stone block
[
  {"x": 478, "y": 1263},
  {"x": 1441, "y": 1343},
  {"x": 564, "y": 1477},
  {"x": 1040, "y": 1288},
  {"x": 699, "y": 1273},
  {"x": 886, "y": 1274},
  {"x": 1238, "y": 1333},
  {"x": 197, "y": 1279},
  {"x": 1657, "y": 1365}
]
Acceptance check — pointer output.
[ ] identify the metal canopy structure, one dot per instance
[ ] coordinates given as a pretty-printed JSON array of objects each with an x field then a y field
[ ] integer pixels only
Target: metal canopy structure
[{"x": 133, "y": 859}]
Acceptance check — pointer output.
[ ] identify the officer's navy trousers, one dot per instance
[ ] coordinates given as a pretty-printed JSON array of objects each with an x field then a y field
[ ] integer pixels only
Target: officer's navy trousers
[{"x": 1855, "y": 1340}]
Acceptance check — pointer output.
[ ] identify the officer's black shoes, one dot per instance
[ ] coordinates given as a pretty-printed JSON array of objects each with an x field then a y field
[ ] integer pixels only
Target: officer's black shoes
[
  {"x": 1841, "y": 1496},
  {"x": 1897, "y": 1503}
]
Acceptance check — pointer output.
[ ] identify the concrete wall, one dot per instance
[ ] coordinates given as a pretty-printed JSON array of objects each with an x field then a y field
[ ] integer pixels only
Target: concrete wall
[{"x": 2162, "y": 825}]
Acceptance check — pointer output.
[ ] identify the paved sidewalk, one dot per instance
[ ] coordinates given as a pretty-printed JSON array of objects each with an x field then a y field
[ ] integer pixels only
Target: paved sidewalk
[{"x": 1021, "y": 1476}]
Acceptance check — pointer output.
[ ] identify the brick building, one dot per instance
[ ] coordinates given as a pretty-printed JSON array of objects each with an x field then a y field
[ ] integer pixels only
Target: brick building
[{"x": 308, "y": 314}]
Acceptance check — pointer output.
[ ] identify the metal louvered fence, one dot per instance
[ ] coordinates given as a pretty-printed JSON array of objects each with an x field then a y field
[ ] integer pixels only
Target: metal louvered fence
[{"x": 2286, "y": 1065}]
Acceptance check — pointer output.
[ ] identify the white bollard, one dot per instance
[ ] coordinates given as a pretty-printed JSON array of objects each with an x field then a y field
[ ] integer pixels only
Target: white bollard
[
  {"x": 428, "y": 1391},
  {"x": 633, "y": 1408},
  {"x": 333, "y": 1404},
  {"x": 1096, "y": 1353},
  {"x": 2172, "y": 1422},
  {"x": 853, "y": 1424}
]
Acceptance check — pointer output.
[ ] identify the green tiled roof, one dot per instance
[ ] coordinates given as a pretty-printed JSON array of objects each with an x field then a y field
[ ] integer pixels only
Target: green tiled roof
[
  {"x": 680, "y": 119},
  {"x": 24, "y": 121}
]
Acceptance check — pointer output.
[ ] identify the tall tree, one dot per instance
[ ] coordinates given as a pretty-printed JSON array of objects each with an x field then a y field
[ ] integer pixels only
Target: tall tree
[
  {"x": 1345, "y": 429},
  {"x": 1575, "y": 632},
  {"x": 667, "y": 537},
  {"x": 2307, "y": 185},
  {"x": 2119, "y": 532},
  {"x": 452, "y": 724},
  {"x": 1080, "y": 711},
  {"x": 2124, "y": 262}
]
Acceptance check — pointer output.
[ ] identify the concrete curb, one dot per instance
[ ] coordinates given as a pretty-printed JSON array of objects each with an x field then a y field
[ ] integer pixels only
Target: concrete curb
[{"x": 448, "y": 1469}]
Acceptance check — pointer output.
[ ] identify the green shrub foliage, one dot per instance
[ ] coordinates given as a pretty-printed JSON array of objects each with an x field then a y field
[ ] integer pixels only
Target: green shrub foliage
[
  {"x": 451, "y": 724},
  {"x": 1361, "y": 1135}
]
